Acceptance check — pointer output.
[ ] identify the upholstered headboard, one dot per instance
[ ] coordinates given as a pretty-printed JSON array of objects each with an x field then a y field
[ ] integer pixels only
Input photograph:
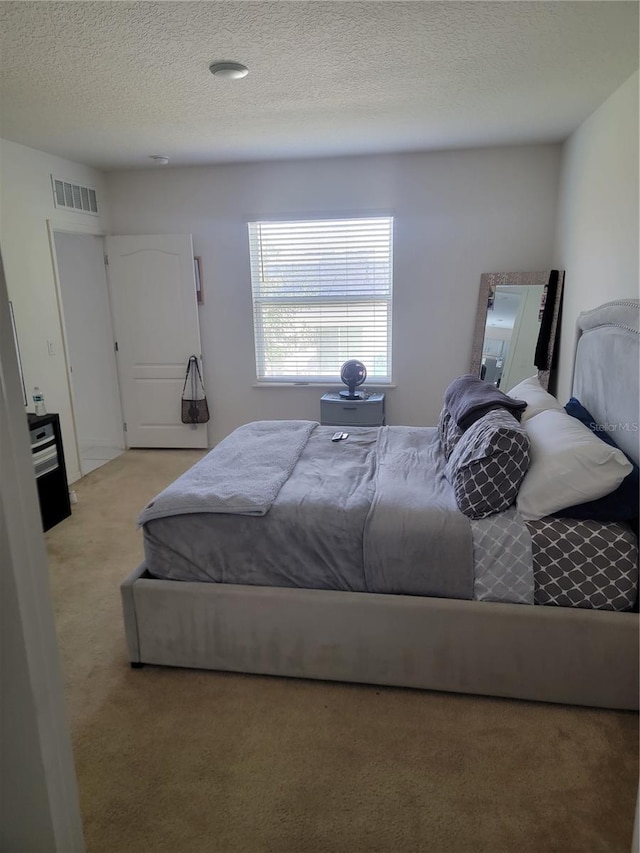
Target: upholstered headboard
[{"x": 606, "y": 373}]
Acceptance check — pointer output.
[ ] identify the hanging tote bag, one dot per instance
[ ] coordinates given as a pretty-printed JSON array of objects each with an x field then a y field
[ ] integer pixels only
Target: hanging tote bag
[{"x": 195, "y": 409}]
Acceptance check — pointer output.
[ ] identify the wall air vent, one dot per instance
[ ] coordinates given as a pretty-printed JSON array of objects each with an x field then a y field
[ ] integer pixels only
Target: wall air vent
[{"x": 74, "y": 197}]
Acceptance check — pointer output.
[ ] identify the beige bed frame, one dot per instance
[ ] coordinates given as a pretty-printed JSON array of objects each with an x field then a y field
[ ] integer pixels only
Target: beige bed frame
[{"x": 551, "y": 654}]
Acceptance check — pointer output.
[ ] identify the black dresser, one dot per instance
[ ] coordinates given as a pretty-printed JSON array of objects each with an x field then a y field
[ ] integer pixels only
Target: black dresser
[{"x": 49, "y": 468}]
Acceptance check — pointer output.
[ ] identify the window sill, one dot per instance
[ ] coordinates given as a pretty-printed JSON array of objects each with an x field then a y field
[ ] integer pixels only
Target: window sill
[{"x": 372, "y": 387}]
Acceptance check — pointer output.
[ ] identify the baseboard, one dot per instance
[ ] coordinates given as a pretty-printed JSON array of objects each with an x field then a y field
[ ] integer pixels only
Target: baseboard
[{"x": 89, "y": 443}]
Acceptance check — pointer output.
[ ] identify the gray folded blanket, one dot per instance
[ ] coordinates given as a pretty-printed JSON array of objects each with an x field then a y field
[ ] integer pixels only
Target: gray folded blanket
[
  {"x": 468, "y": 398},
  {"x": 241, "y": 476}
]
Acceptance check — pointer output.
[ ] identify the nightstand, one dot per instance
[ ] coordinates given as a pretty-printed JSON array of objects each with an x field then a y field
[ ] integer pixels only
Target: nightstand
[{"x": 338, "y": 411}]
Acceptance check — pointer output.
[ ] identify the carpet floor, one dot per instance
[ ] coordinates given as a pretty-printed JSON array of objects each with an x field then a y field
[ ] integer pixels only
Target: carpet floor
[{"x": 190, "y": 761}]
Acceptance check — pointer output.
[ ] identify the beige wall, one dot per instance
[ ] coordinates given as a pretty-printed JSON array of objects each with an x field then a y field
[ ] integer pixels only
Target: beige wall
[
  {"x": 457, "y": 214},
  {"x": 26, "y": 203},
  {"x": 597, "y": 242}
]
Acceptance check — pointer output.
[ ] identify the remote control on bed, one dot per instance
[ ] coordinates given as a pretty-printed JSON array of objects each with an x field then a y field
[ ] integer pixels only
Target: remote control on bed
[{"x": 338, "y": 436}]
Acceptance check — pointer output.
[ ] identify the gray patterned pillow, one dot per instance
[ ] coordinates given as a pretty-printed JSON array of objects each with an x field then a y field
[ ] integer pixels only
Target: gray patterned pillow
[
  {"x": 488, "y": 463},
  {"x": 449, "y": 432}
]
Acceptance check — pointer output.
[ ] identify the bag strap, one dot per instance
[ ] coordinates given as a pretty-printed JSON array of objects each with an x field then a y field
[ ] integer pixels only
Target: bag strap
[{"x": 193, "y": 361}]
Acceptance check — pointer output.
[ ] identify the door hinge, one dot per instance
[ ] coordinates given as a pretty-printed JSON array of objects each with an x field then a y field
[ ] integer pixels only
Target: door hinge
[
  {"x": 106, "y": 259},
  {"x": 115, "y": 346},
  {"x": 124, "y": 427}
]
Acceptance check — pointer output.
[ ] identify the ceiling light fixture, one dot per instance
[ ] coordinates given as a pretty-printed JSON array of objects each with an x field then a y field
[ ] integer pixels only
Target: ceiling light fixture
[
  {"x": 228, "y": 70},
  {"x": 159, "y": 159}
]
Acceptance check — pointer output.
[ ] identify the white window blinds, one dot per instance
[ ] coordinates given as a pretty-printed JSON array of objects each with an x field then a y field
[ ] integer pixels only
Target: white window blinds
[{"x": 322, "y": 294}]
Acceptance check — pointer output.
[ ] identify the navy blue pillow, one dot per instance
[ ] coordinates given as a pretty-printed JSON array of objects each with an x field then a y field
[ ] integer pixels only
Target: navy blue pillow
[{"x": 620, "y": 505}]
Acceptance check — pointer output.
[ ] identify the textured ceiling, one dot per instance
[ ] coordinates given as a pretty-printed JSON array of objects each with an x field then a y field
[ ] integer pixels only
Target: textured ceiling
[{"x": 110, "y": 83}]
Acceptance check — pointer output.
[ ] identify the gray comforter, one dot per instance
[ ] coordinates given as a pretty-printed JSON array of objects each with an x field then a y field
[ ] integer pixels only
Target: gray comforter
[
  {"x": 372, "y": 513},
  {"x": 278, "y": 504}
]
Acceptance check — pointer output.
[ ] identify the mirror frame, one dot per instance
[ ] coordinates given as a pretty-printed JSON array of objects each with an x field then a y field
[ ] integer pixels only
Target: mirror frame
[{"x": 507, "y": 279}]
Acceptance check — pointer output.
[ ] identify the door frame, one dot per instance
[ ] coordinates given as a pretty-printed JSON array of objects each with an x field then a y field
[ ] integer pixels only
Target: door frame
[
  {"x": 89, "y": 232},
  {"x": 22, "y": 542}
]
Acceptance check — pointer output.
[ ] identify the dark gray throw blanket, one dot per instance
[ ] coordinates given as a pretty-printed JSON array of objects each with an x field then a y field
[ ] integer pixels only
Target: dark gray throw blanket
[{"x": 468, "y": 398}]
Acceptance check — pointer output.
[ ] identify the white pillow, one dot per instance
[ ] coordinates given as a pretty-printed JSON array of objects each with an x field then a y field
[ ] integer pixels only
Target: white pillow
[
  {"x": 569, "y": 465},
  {"x": 537, "y": 399}
]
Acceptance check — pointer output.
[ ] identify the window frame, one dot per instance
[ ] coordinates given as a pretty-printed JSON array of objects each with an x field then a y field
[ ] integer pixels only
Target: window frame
[{"x": 259, "y": 299}]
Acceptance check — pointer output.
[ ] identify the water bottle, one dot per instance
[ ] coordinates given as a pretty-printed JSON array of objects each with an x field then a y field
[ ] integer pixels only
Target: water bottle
[{"x": 38, "y": 402}]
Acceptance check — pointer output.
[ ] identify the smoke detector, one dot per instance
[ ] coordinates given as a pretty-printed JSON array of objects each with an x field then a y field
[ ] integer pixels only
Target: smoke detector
[
  {"x": 159, "y": 159},
  {"x": 228, "y": 70}
]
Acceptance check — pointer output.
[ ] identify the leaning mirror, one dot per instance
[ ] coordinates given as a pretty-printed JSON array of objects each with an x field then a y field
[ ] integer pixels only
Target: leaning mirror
[{"x": 517, "y": 327}]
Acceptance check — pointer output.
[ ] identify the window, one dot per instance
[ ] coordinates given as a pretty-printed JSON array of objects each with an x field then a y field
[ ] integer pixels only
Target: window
[{"x": 321, "y": 295}]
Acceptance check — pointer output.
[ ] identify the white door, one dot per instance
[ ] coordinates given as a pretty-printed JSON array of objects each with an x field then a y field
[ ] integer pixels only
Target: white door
[{"x": 155, "y": 318}]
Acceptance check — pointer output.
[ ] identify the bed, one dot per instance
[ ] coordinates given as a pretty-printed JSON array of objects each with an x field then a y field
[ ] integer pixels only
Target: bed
[{"x": 411, "y": 623}]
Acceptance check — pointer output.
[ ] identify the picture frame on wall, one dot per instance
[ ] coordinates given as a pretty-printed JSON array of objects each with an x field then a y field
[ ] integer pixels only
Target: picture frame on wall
[{"x": 197, "y": 268}]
